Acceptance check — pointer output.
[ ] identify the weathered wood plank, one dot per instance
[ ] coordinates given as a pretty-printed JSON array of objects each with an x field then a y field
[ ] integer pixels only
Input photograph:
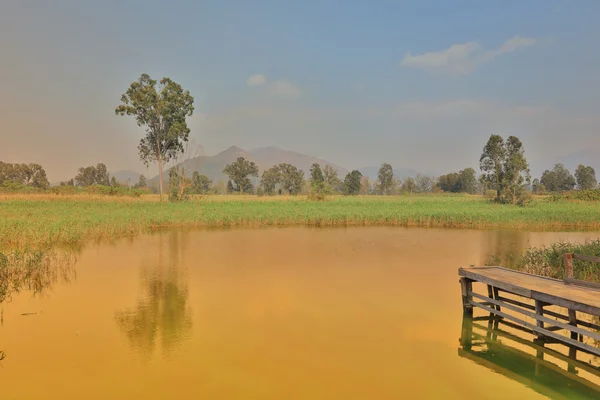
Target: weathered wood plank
[
  {"x": 500, "y": 284},
  {"x": 579, "y": 282},
  {"x": 567, "y": 359},
  {"x": 559, "y": 301},
  {"x": 584, "y": 257},
  {"x": 535, "y": 328},
  {"x": 539, "y": 318},
  {"x": 549, "y": 312}
]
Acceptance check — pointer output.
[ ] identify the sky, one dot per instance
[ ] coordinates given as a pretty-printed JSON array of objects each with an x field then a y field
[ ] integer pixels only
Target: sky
[{"x": 420, "y": 84}]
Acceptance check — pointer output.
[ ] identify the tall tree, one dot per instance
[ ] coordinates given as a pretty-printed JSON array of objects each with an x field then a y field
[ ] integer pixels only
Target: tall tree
[
  {"x": 585, "y": 177},
  {"x": 409, "y": 186},
  {"x": 558, "y": 179},
  {"x": 162, "y": 110},
  {"x": 424, "y": 183},
  {"x": 200, "y": 183},
  {"x": 316, "y": 174},
  {"x": 142, "y": 182},
  {"x": 385, "y": 179},
  {"x": 352, "y": 183},
  {"x": 330, "y": 175},
  {"x": 239, "y": 171},
  {"x": 86, "y": 176},
  {"x": 269, "y": 179},
  {"x": 492, "y": 163},
  {"x": 467, "y": 181},
  {"x": 516, "y": 169},
  {"x": 505, "y": 168},
  {"x": 101, "y": 175},
  {"x": 291, "y": 178},
  {"x": 365, "y": 185}
]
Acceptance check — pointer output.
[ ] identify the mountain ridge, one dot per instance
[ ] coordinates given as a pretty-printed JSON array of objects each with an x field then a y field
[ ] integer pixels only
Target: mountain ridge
[{"x": 263, "y": 157}]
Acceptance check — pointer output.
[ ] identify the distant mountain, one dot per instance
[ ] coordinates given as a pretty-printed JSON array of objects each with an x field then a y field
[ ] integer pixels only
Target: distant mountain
[
  {"x": 270, "y": 156},
  {"x": 264, "y": 157},
  {"x": 400, "y": 173},
  {"x": 126, "y": 176}
]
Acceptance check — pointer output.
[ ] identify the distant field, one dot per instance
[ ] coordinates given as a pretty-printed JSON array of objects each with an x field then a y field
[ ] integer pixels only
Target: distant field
[{"x": 41, "y": 221}]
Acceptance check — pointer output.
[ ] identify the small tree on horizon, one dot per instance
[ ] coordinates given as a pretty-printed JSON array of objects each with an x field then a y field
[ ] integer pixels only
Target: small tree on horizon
[{"x": 385, "y": 179}]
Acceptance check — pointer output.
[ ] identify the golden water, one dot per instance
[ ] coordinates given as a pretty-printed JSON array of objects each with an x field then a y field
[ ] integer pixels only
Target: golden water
[{"x": 293, "y": 313}]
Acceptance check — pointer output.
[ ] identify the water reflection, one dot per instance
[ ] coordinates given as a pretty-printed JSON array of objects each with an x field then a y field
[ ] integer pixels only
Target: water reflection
[
  {"x": 34, "y": 271},
  {"x": 501, "y": 346},
  {"x": 162, "y": 314}
]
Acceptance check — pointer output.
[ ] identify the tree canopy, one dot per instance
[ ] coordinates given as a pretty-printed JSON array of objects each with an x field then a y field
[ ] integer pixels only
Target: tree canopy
[
  {"x": 330, "y": 175},
  {"x": 32, "y": 175},
  {"x": 291, "y": 178},
  {"x": 463, "y": 181},
  {"x": 505, "y": 168},
  {"x": 239, "y": 171},
  {"x": 316, "y": 174},
  {"x": 385, "y": 179},
  {"x": 162, "y": 110},
  {"x": 585, "y": 177},
  {"x": 92, "y": 175},
  {"x": 559, "y": 179},
  {"x": 200, "y": 183},
  {"x": 352, "y": 183}
]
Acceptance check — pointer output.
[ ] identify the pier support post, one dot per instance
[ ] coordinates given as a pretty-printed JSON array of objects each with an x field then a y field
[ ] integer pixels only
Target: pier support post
[
  {"x": 466, "y": 286},
  {"x": 568, "y": 261},
  {"x": 573, "y": 321},
  {"x": 539, "y": 310}
]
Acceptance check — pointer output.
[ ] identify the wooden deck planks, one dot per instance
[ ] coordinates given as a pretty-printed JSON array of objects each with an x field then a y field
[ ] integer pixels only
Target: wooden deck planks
[{"x": 535, "y": 287}]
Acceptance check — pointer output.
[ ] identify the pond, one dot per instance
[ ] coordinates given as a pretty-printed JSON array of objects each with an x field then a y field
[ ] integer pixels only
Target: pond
[{"x": 277, "y": 313}]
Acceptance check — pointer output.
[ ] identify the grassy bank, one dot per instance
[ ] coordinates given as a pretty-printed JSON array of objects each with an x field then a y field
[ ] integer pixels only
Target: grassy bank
[
  {"x": 548, "y": 260},
  {"x": 41, "y": 221}
]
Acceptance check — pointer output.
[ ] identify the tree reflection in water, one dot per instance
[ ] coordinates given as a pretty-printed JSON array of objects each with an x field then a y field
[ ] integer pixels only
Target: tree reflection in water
[{"x": 162, "y": 314}]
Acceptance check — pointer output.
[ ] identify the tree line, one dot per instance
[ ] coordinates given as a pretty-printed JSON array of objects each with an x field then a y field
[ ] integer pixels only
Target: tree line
[
  {"x": 23, "y": 175},
  {"x": 162, "y": 107}
]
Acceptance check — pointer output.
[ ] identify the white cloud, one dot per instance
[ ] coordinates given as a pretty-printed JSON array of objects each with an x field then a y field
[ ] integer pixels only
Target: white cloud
[
  {"x": 460, "y": 59},
  {"x": 256, "y": 80}
]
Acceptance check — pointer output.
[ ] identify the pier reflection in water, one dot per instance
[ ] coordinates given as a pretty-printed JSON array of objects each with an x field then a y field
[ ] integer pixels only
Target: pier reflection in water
[{"x": 554, "y": 370}]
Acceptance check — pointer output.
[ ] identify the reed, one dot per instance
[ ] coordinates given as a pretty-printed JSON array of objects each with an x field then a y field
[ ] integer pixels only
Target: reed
[
  {"x": 548, "y": 260},
  {"x": 40, "y": 221}
]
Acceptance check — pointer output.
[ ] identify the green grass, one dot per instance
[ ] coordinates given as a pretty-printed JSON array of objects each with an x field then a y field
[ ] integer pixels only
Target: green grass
[
  {"x": 48, "y": 221},
  {"x": 548, "y": 260}
]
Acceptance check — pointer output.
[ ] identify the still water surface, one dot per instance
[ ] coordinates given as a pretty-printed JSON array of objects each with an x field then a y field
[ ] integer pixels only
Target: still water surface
[{"x": 293, "y": 313}]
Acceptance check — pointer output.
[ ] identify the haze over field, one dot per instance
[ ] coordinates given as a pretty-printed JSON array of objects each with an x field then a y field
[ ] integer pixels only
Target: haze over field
[{"x": 421, "y": 85}]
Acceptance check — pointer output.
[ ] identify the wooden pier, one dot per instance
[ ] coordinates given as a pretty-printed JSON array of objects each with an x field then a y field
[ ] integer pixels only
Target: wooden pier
[
  {"x": 503, "y": 347},
  {"x": 565, "y": 311}
]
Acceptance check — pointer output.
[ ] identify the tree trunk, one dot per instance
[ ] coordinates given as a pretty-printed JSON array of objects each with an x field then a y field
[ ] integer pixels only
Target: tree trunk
[
  {"x": 160, "y": 177},
  {"x": 241, "y": 188}
]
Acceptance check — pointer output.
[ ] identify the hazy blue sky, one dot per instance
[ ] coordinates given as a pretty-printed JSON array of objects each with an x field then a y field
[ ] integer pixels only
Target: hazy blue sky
[{"x": 420, "y": 84}]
